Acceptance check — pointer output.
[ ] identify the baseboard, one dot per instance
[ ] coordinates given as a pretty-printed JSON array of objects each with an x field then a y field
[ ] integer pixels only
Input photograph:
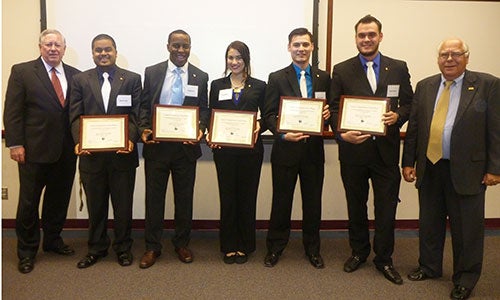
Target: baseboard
[{"x": 493, "y": 223}]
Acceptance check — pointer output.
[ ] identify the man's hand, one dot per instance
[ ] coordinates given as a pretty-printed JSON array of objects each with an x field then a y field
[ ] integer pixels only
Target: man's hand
[
  {"x": 147, "y": 138},
  {"x": 354, "y": 137},
  {"x": 82, "y": 152},
  {"x": 326, "y": 112},
  {"x": 200, "y": 135},
  {"x": 129, "y": 149},
  {"x": 295, "y": 136},
  {"x": 409, "y": 174},
  {"x": 390, "y": 118},
  {"x": 18, "y": 154},
  {"x": 491, "y": 179}
]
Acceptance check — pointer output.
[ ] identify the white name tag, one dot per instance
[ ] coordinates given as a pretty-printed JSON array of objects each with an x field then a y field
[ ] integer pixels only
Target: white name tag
[
  {"x": 393, "y": 90},
  {"x": 320, "y": 95},
  {"x": 192, "y": 90},
  {"x": 124, "y": 101},
  {"x": 226, "y": 94}
]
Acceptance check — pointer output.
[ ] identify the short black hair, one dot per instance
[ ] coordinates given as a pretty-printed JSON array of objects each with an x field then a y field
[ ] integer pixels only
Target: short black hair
[
  {"x": 300, "y": 31},
  {"x": 178, "y": 31},
  {"x": 367, "y": 20},
  {"x": 103, "y": 36}
]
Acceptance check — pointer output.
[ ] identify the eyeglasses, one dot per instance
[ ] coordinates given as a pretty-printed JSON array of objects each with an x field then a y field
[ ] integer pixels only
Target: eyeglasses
[{"x": 454, "y": 55}]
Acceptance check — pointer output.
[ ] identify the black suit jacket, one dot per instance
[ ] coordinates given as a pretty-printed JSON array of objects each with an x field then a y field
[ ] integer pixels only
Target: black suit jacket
[
  {"x": 349, "y": 78},
  {"x": 284, "y": 83},
  {"x": 475, "y": 138},
  {"x": 33, "y": 115},
  {"x": 153, "y": 82},
  {"x": 86, "y": 99},
  {"x": 251, "y": 99}
]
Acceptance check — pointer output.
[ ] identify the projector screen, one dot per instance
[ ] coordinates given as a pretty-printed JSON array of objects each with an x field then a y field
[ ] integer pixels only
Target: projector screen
[{"x": 141, "y": 28}]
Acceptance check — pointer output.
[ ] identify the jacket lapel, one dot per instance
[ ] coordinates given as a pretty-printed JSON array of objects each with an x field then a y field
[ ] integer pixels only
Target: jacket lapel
[
  {"x": 95, "y": 87},
  {"x": 291, "y": 76},
  {"x": 469, "y": 89},
  {"x": 41, "y": 73},
  {"x": 115, "y": 88}
]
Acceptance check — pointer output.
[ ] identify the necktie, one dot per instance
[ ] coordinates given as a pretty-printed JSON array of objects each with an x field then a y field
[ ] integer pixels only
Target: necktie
[
  {"x": 435, "y": 146},
  {"x": 370, "y": 73},
  {"x": 57, "y": 86},
  {"x": 303, "y": 84},
  {"x": 177, "y": 90},
  {"x": 105, "y": 90}
]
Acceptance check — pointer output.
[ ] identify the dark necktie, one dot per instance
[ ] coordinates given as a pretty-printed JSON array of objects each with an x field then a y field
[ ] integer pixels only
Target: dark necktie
[{"x": 57, "y": 86}]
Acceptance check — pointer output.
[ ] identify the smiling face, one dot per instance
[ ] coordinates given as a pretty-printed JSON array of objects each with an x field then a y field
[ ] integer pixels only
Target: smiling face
[
  {"x": 234, "y": 62},
  {"x": 104, "y": 53},
  {"x": 300, "y": 48},
  {"x": 52, "y": 49},
  {"x": 453, "y": 58},
  {"x": 368, "y": 38},
  {"x": 179, "y": 46}
]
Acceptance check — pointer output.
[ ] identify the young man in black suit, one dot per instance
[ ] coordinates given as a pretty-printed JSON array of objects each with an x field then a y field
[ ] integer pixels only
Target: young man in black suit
[
  {"x": 364, "y": 157},
  {"x": 452, "y": 177},
  {"x": 295, "y": 153},
  {"x": 38, "y": 136},
  {"x": 164, "y": 158},
  {"x": 110, "y": 173}
]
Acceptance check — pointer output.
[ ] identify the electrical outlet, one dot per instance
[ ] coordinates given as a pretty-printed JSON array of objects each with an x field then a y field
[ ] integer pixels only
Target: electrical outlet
[{"x": 5, "y": 193}]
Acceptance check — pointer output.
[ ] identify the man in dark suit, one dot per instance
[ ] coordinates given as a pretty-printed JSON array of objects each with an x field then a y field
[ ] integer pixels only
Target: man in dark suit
[
  {"x": 452, "y": 177},
  {"x": 295, "y": 153},
  {"x": 176, "y": 158},
  {"x": 364, "y": 157},
  {"x": 105, "y": 91},
  {"x": 38, "y": 136}
]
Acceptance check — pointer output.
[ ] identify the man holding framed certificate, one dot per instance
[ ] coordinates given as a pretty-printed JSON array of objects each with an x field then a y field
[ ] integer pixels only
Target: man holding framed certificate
[
  {"x": 105, "y": 105},
  {"x": 296, "y": 153},
  {"x": 371, "y": 152},
  {"x": 173, "y": 84}
]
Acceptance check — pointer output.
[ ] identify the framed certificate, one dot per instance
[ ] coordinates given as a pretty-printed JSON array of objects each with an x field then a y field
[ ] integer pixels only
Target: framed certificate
[
  {"x": 301, "y": 115},
  {"x": 362, "y": 114},
  {"x": 100, "y": 133},
  {"x": 233, "y": 128},
  {"x": 174, "y": 123}
]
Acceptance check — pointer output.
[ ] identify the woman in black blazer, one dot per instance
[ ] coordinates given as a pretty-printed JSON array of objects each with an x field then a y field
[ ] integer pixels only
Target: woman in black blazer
[{"x": 238, "y": 169}]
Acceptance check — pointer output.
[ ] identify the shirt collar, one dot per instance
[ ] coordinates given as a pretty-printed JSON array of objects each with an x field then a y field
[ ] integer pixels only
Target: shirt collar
[
  {"x": 111, "y": 72},
  {"x": 457, "y": 80},
  {"x": 59, "y": 67},
  {"x": 376, "y": 60},
  {"x": 171, "y": 67},
  {"x": 298, "y": 69}
]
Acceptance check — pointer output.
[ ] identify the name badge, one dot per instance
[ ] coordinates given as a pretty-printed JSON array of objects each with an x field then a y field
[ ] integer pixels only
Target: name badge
[
  {"x": 320, "y": 95},
  {"x": 393, "y": 90},
  {"x": 226, "y": 94},
  {"x": 192, "y": 90},
  {"x": 124, "y": 101}
]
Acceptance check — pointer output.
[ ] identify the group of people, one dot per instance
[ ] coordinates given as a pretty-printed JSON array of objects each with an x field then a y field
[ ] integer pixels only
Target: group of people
[{"x": 451, "y": 149}]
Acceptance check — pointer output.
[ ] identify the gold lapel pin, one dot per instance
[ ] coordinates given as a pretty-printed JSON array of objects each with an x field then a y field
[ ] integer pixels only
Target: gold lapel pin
[
  {"x": 386, "y": 68},
  {"x": 471, "y": 88},
  {"x": 194, "y": 75}
]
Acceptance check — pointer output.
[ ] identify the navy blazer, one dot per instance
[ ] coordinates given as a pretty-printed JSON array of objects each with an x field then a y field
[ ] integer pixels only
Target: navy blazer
[
  {"x": 153, "y": 81},
  {"x": 33, "y": 115},
  {"x": 349, "y": 78},
  {"x": 86, "y": 99},
  {"x": 475, "y": 137}
]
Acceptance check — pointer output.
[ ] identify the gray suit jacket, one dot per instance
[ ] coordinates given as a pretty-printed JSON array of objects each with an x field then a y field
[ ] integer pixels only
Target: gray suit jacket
[{"x": 475, "y": 138}]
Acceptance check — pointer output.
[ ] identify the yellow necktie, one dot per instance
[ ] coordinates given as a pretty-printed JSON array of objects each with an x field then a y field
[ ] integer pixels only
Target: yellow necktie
[{"x": 435, "y": 146}]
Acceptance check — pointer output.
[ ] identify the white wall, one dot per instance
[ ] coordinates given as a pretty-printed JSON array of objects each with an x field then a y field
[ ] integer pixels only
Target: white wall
[{"x": 411, "y": 32}]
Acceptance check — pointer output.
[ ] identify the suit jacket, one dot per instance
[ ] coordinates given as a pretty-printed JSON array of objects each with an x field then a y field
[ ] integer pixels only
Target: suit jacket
[
  {"x": 475, "y": 137},
  {"x": 33, "y": 115},
  {"x": 349, "y": 78},
  {"x": 251, "y": 99},
  {"x": 284, "y": 83},
  {"x": 153, "y": 82},
  {"x": 86, "y": 99}
]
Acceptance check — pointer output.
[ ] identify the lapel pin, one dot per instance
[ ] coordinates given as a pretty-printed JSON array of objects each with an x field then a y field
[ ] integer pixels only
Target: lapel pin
[
  {"x": 317, "y": 75},
  {"x": 121, "y": 78},
  {"x": 194, "y": 75},
  {"x": 471, "y": 88},
  {"x": 386, "y": 68}
]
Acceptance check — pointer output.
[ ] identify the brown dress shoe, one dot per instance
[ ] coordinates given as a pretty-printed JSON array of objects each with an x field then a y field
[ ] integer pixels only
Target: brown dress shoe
[
  {"x": 149, "y": 259},
  {"x": 185, "y": 255}
]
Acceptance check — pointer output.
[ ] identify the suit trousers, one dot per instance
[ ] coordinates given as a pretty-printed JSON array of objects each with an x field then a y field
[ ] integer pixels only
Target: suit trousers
[
  {"x": 385, "y": 182},
  {"x": 238, "y": 178},
  {"x": 437, "y": 201},
  {"x": 98, "y": 188},
  {"x": 57, "y": 179},
  {"x": 311, "y": 186},
  {"x": 157, "y": 172}
]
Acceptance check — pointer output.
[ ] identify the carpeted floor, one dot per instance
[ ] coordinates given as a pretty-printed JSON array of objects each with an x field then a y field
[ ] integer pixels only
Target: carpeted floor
[{"x": 56, "y": 277}]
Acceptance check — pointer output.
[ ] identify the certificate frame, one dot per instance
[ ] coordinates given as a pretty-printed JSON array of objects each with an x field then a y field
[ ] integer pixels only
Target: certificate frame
[
  {"x": 103, "y": 133},
  {"x": 294, "y": 110},
  {"x": 233, "y": 128},
  {"x": 173, "y": 123},
  {"x": 360, "y": 112}
]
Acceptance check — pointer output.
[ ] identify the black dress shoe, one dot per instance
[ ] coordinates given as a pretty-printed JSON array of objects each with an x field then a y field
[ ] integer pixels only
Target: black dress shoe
[
  {"x": 460, "y": 292},
  {"x": 125, "y": 258},
  {"x": 230, "y": 258},
  {"x": 241, "y": 258},
  {"x": 61, "y": 250},
  {"x": 316, "y": 261},
  {"x": 271, "y": 259},
  {"x": 418, "y": 275},
  {"x": 89, "y": 260},
  {"x": 391, "y": 274},
  {"x": 26, "y": 265},
  {"x": 353, "y": 263}
]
